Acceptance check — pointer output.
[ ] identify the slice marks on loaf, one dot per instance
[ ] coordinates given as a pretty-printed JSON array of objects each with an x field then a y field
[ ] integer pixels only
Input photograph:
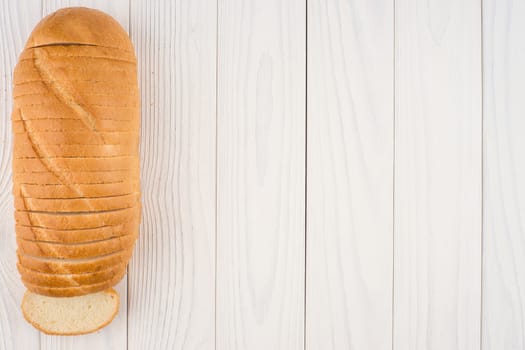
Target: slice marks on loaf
[
  {"x": 75, "y": 191},
  {"x": 76, "y": 250},
  {"x": 76, "y": 221},
  {"x": 70, "y": 316},
  {"x": 66, "y": 266},
  {"x": 87, "y": 99},
  {"x": 77, "y": 205},
  {"x": 76, "y": 164},
  {"x": 69, "y": 280},
  {"x": 101, "y": 87},
  {"x": 75, "y": 291},
  {"x": 63, "y": 125},
  {"x": 78, "y": 138},
  {"x": 59, "y": 111},
  {"x": 26, "y": 150},
  {"x": 77, "y": 236}
]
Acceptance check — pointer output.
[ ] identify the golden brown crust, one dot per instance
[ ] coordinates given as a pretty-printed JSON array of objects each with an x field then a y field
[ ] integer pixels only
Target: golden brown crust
[
  {"x": 66, "y": 292},
  {"x": 76, "y": 191},
  {"x": 59, "y": 51},
  {"x": 76, "y": 221},
  {"x": 87, "y": 100},
  {"x": 27, "y": 71},
  {"x": 80, "y": 25},
  {"x": 61, "y": 266},
  {"x": 78, "y": 138},
  {"x": 75, "y": 178},
  {"x": 68, "y": 280},
  {"x": 86, "y": 86},
  {"x": 76, "y": 250},
  {"x": 77, "y": 205},
  {"x": 60, "y": 111},
  {"x": 25, "y": 165},
  {"x": 26, "y": 150},
  {"x": 46, "y": 331},
  {"x": 77, "y": 236},
  {"x": 66, "y": 125}
]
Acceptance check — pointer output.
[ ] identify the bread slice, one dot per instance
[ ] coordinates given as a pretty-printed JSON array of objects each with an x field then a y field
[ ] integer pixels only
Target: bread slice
[
  {"x": 26, "y": 165},
  {"x": 86, "y": 100},
  {"x": 75, "y": 291},
  {"x": 101, "y": 87},
  {"x": 70, "y": 316},
  {"x": 60, "y": 111},
  {"x": 74, "y": 266},
  {"x": 62, "y": 125},
  {"x": 76, "y": 177},
  {"x": 26, "y": 71},
  {"x": 76, "y": 221},
  {"x": 77, "y": 236},
  {"x": 76, "y": 250},
  {"x": 82, "y": 51},
  {"x": 77, "y": 205},
  {"x": 76, "y": 191},
  {"x": 78, "y": 138},
  {"x": 69, "y": 280},
  {"x": 26, "y": 150}
]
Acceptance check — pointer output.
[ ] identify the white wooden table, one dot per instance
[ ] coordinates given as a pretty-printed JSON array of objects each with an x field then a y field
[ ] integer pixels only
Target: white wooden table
[{"x": 317, "y": 174}]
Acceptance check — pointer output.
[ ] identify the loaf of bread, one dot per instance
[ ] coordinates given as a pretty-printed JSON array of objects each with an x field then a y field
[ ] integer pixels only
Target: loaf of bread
[{"x": 76, "y": 124}]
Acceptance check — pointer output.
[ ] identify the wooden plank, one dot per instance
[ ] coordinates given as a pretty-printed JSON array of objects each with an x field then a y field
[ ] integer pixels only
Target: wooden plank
[
  {"x": 504, "y": 175},
  {"x": 114, "y": 336},
  {"x": 437, "y": 239},
  {"x": 172, "y": 274},
  {"x": 261, "y": 174},
  {"x": 350, "y": 175},
  {"x": 17, "y": 19}
]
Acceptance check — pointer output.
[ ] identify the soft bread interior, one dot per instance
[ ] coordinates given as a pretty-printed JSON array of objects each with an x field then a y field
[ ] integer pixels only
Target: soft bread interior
[{"x": 70, "y": 316}]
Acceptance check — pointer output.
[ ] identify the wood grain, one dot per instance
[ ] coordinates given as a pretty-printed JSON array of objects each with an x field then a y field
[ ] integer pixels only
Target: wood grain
[
  {"x": 261, "y": 174},
  {"x": 504, "y": 175},
  {"x": 438, "y": 146},
  {"x": 114, "y": 336},
  {"x": 172, "y": 274},
  {"x": 350, "y": 175},
  {"x": 17, "y": 19}
]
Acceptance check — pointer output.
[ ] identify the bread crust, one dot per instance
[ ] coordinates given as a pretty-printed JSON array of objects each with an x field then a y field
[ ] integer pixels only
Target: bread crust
[
  {"x": 60, "y": 111},
  {"x": 72, "y": 50},
  {"x": 76, "y": 125},
  {"x": 80, "y": 25},
  {"x": 67, "y": 292},
  {"x": 74, "y": 266},
  {"x": 68, "y": 280},
  {"x": 26, "y": 150},
  {"x": 43, "y": 138},
  {"x": 75, "y": 177},
  {"x": 76, "y": 191},
  {"x": 77, "y": 236},
  {"x": 100, "y": 87},
  {"x": 77, "y": 205},
  {"x": 47, "y": 331},
  {"x": 76, "y": 221},
  {"x": 76, "y": 250},
  {"x": 97, "y": 99}
]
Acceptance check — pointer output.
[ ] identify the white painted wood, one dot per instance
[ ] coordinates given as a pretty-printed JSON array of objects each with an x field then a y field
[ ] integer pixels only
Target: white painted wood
[
  {"x": 172, "y": 273},
  {"x": 114, "y": 336},
  {"x": 438, "y": 146},
  {"x": 17, "y": 19},
  {"x": 504, "y": 175},
  {"x": 261, "y": 174},
  {"x": 350, "y": 174}
]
